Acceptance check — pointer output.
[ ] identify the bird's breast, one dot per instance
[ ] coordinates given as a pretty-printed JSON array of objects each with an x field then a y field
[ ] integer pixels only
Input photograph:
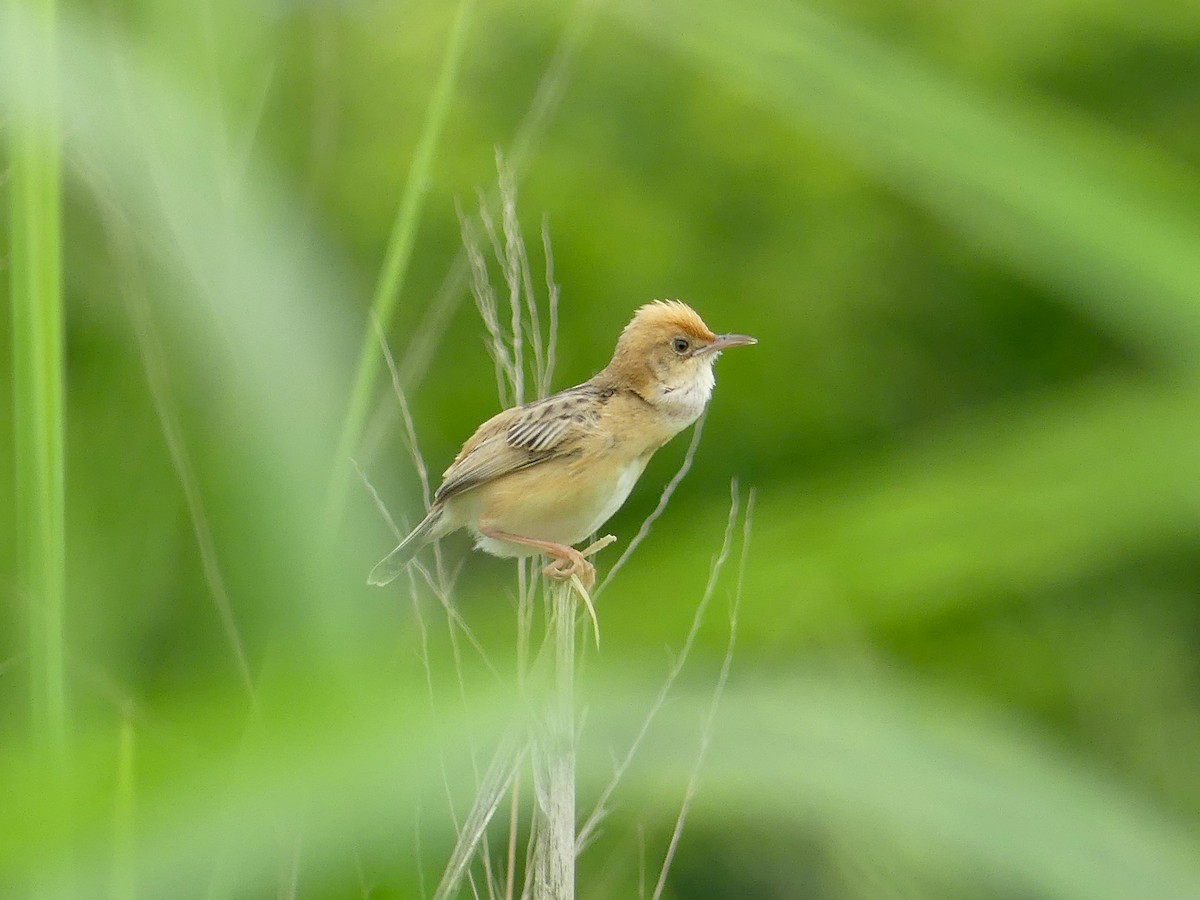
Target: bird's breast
[
  {"x": 562, "y": 501},
  {"x": 619, "y": 491}
]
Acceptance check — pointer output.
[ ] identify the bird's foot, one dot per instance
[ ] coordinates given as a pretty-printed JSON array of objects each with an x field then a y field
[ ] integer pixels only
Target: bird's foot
[
  {"x": 582, "y": 575},
  {"x": 567, "y": 564},
  {"x": 570, "y": 562}
]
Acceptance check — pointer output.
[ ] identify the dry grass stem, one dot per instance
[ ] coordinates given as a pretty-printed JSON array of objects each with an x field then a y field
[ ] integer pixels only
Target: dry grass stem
[
  {"x": 527, "y": 587},
  {"x": 524, "y": 329},
  {"x": 426, "y": 337},
  {"x": 495, "y": 784},
  {"x": 514, "y": 820},
  {"x": 423, "y": 344},
  {"x": 552, "y": 297},
  {"x": 587, "y": 602},
  {"x": 485, "y": 302},
  {"x": 153, "y": 355},
  {"x": 718, "y": 690},
  {"x": 466, "y": 834},
  {"x": 517, "y": 274},
  {"x": 454, "y": 617},
  {"x": 395, "y": 529},
  {"x": 427, "y": 667},
  {"x": 554, "y": 858},
  {"x": 659, "y": 509},
  {"x": 394, "y": 270},
  {"x": 512, "y": 259},
  {"x": 410, "y": 431},
  {"x": 591, "y": 548},
  {"x": 502, "y": 254},
  {"x": 600, "y": 810},
  {"x": 414, "y": 449},
  {"x": 441, "y": 587}
]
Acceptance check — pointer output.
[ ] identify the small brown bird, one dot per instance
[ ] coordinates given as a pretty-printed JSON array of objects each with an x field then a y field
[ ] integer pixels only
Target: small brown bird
[{"x": 540, "y": 477}]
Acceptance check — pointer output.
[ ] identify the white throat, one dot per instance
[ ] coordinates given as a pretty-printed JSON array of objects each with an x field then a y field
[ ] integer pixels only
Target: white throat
[{"x": 686, "y": 401}]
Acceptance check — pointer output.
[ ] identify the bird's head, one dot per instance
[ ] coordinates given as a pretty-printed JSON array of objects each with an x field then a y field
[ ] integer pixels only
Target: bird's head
[{"x": 666, "y": 353}]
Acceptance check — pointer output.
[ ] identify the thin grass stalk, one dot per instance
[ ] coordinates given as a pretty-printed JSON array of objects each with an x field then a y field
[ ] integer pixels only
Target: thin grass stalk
[
  {"x": 35, "y": 272},
  {"x": 154, "y": 363},
  {"x": 718, "y": 690},
  {"x": 644, "y": 530},
  {"x": 495, "y": 783},
  {"x": 514, "y": 819},
  {"x": 601, "y": 808},
  {"x": 514, "y": 262},
  {"x": 485, "y": 303},
  {"x": 396, "y": 261},
  {"x": 552, "y": 295},
  {"x": 427, "y": 667},
  {"x": 555, "y": 859},
  {"x": 504, "y": 252},
  {"x": 414, "y": 449},
  {"x": 482, "y": 791},
  {"x": 541, "y": 373},
  {"x": 425, "y": 338},
  {"x": 440, "y": 587},
  {"x": 513, "y": 250}
]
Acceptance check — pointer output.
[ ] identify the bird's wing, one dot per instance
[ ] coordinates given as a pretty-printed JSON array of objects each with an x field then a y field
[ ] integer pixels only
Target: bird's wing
[{"x": 522, "y": 437}]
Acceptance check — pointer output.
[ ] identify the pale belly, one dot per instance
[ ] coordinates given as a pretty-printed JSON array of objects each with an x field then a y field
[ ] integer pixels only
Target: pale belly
[{"x": 552, "y": 503}]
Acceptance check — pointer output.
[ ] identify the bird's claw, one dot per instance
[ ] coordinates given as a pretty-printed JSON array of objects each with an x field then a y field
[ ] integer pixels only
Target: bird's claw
[{"x": 575, "y": 563}]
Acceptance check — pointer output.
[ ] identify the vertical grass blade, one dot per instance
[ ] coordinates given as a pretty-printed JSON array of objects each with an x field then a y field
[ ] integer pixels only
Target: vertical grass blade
[
  {"x": 396, "y": 260},
  {"x": 36, "y": 291}
]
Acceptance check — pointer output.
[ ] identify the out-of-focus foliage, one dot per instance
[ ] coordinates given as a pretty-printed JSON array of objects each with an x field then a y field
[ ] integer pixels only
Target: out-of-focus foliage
[{"x": 966, "y": 236}]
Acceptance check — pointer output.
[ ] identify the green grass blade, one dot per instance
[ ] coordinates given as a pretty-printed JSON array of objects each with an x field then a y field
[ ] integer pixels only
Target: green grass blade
[
  {"x": 38, "y": 427},
  {"x": 395, "y": 265}
]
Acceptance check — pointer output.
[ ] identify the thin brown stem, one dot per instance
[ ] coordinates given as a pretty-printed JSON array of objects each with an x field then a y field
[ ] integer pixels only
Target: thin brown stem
[
  {"x": 718, "y": 690},
  {"x": 658, "y": 510},
  {"x": 600, "y": 810}
]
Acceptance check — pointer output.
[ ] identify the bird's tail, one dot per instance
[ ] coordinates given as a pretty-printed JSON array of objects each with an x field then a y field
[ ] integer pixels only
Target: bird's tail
[{"x": 393, "y": 564}]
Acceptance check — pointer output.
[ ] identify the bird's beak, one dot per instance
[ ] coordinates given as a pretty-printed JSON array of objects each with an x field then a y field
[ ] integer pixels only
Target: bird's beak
[{"x": 725, "y": 341}]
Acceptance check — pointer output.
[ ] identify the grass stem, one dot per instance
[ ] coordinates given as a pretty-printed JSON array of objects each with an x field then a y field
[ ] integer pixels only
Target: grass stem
[
  {"x": 396, "y": 261},
  {"x": 555, "y": 861}
]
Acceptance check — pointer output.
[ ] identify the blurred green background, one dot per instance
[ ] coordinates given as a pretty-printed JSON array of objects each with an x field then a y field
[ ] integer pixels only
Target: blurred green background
[{"x": 967, "y": 237}]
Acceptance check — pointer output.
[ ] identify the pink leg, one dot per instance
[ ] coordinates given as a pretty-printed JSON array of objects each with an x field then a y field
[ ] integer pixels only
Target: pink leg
[{"x": 567, "y": 560}]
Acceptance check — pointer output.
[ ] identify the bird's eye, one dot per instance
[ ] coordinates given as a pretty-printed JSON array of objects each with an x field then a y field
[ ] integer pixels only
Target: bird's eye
[{"x": 680, "y": 345}]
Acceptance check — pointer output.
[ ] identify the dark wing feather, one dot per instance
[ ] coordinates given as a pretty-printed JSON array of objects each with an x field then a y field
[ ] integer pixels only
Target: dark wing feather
[{"x": 522, "y": 437}]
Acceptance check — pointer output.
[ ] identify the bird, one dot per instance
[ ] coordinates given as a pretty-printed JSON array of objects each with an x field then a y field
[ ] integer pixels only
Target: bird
[{"x": 542, "y": 476}]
